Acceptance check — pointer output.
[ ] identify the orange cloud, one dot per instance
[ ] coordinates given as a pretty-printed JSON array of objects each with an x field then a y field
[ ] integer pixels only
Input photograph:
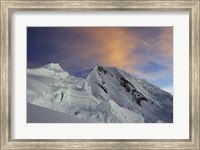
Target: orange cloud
[
  {"x": 166, "y": 40},
  {"x": 163, "y": 42},
  {"x": 115, "y": 46}
]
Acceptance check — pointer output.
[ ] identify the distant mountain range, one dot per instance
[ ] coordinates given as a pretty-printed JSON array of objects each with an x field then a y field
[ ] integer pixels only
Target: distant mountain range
[{"x": 107, "y": 95}]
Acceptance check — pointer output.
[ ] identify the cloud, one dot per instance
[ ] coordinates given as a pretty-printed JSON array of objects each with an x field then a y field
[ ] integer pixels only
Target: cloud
[
  {"x": 119, "y": 47},
  {"x": 157, "y": 39},
  {"x": 166, "y": 41},
  {"x": 92, "y": 46},
  {"x": 78, "y": 49},
  {"x": 153, "y": 46},
  {"x": 115, "y": 45}
]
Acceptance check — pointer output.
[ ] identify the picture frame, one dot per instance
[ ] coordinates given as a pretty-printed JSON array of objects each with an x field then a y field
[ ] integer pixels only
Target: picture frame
[{"x": 9, "y": 7}]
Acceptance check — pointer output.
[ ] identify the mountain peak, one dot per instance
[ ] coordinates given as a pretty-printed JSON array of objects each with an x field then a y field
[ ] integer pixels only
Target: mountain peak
[
  {"x": 101, "y": 68},
  {"x": 54, "y": 66},
  {"x": 111, "y": 70}
]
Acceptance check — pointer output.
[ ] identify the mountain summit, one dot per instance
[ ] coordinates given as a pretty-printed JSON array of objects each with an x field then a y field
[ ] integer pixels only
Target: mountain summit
[
  {"x": 108, "y": 94},
  {"x": 54, "y": 66}
]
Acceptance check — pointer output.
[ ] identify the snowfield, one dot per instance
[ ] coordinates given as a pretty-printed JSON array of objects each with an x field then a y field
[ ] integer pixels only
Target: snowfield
[{"x": 107, "y": 95}]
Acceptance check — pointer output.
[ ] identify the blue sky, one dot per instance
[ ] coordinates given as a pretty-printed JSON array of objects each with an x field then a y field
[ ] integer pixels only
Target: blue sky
[{"x": 145, "y": 52}]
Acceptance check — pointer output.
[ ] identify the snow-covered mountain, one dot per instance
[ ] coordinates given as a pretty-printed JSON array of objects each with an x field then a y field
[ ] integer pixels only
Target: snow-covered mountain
[{"x": 108, "y": 94}]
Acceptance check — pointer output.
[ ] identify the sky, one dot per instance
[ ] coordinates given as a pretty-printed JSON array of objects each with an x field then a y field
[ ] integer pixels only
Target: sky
[{"x": 144, "y": 52}]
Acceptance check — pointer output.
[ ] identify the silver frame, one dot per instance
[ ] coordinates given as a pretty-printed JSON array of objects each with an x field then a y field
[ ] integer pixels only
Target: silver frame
[{"x": 8, "y": 7}]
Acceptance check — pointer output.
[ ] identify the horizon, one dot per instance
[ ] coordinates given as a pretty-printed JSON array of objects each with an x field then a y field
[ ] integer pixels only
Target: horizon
[
  {"x": 101, "y": 66},
  {"x": 144, "y": 52}
]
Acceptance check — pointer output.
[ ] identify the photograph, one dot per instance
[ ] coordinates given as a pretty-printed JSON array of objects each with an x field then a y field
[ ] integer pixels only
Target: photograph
[{"x": 99, "y": 74}]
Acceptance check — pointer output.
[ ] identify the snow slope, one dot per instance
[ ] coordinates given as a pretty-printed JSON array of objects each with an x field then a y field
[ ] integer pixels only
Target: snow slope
[
  {"x": 37, "y": 114},
  {"x": 107, "y": 95},
  {"x": 131, "y": 93}
]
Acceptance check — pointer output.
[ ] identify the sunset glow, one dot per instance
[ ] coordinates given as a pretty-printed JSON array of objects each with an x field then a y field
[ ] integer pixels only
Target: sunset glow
[{"x": 146, "y": 52}]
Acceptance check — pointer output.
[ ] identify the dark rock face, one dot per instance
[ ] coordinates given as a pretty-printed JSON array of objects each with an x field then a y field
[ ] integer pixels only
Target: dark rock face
[
  {"x": 137, "y": 96},
  {"x": 104, "y": 71},
  {"x": 101, "y": 69},
  {"x": 126, "y": 84},
  {"x": 102, "y": 87}
]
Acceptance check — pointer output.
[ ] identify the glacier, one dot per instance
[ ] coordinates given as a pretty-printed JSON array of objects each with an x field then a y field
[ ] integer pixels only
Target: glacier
[{"x": 107, "y": 95}]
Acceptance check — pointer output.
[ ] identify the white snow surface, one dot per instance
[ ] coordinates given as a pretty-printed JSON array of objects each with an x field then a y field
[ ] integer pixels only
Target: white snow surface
[
  {"x": 108, "y": 95},
  {"x": 37, "y": 114}
]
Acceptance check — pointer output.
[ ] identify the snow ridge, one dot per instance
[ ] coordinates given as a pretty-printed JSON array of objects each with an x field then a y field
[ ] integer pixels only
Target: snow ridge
[{"x": 53, "y": 66}]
